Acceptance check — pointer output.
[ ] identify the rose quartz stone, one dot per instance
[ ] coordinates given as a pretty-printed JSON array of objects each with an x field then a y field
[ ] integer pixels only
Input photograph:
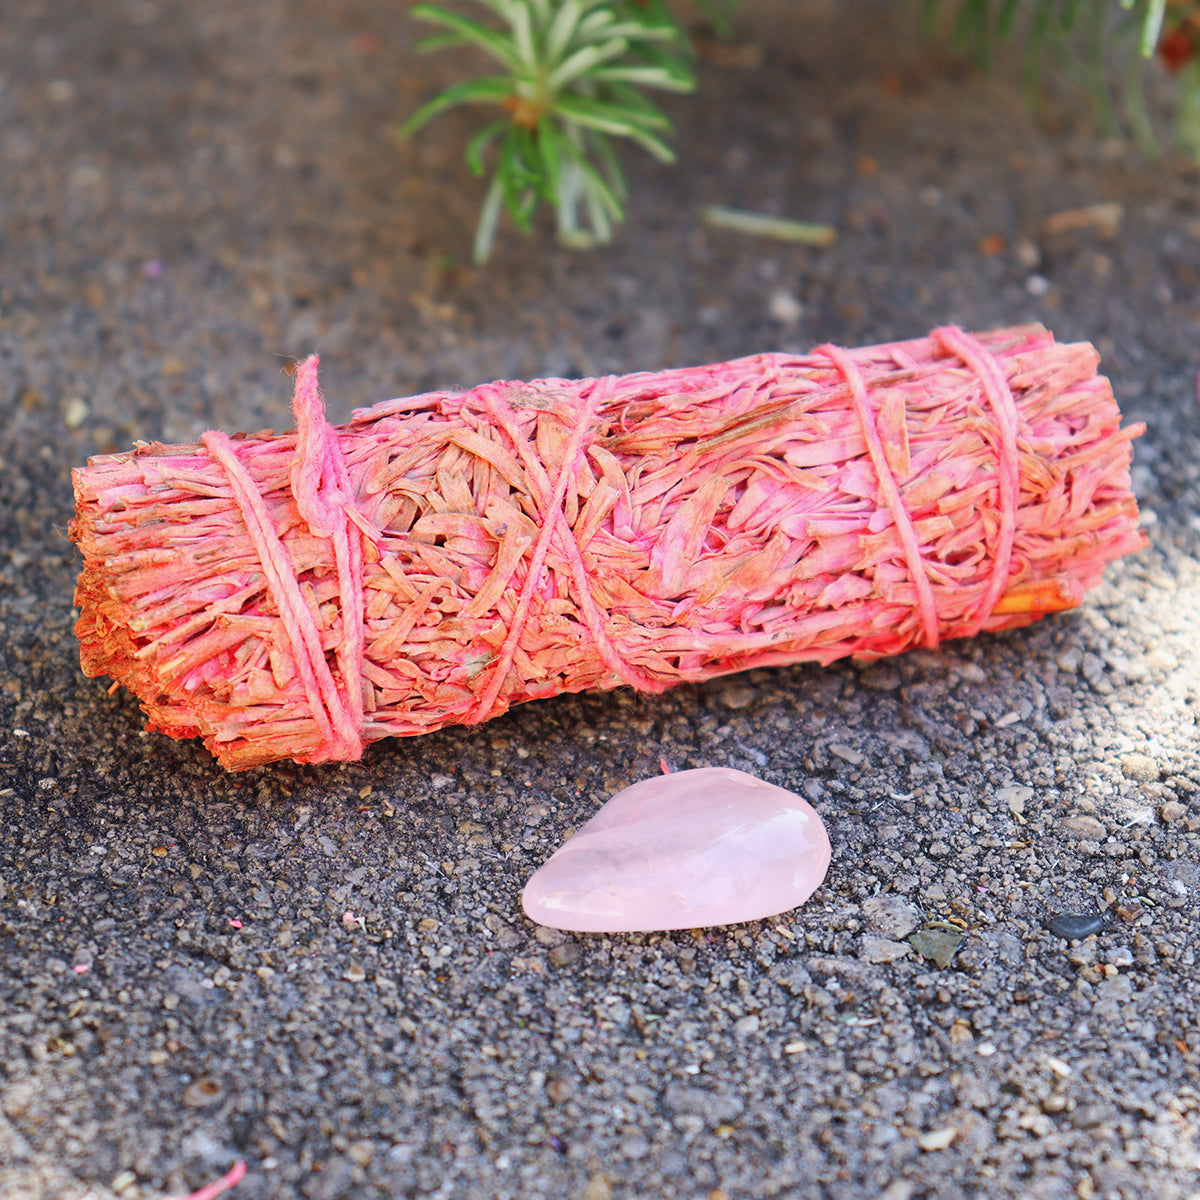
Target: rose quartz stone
[{"x": 709, "y": 847}]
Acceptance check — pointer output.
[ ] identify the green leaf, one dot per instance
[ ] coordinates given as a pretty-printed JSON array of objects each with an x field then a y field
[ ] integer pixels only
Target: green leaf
[
  {"x": 504, "y": 9},
  {"x": 602, "y": 23},
  {"x": 1007, "y": 17},
  {"x": 1134, "y": 98},
  {"x": 521, "y": 181},
  {"x": 551, "y": 158},
  {"x": 619, "y": 121},
  {"x": 489, "y": 218},
  {"x": 971, "y": 27},
  {"x": 602, "y": 150},
  {"x": 562, "y": 29},
  {"x": 1068, "y": 14},
  {"x": 607, "y": 195},
  {"x": 488, "y": 40},
  {"x": 657, "y": 77},
  {"x": 583, "y": 60},
  {"x": 523, "y": 39},
  {"x": 493, "y": 89},
  {"x": 600, "y": 193},
  {"x": 639, "y": 31},
  {"x": 440, "y": 41},
  {"x": 1155, "y": 12},
  {"x": 640, "y": 108},
  {"x": 668, "y": 58},
  {"x": 597, "y": 213},
  {"x": 608, "y": 118},
  {"x": 583, "y": 185},
  {"x": 480, "y": 142}
]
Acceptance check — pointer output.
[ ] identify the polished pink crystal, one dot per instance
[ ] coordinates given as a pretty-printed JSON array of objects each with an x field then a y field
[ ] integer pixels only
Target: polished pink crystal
[{"x": 713, "y": 846}]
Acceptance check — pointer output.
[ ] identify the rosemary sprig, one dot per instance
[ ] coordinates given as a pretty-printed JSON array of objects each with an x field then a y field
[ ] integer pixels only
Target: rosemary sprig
[{"x": 573, "y": 78}]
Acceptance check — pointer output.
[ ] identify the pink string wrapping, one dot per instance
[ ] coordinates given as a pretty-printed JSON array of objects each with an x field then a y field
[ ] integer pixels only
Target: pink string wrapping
[
  {"x": 321, "y": 488},
  {"x": 891, "y": 493},
  {"x": 1004, "y": 410},
  {"x": 446, "y": 556}
]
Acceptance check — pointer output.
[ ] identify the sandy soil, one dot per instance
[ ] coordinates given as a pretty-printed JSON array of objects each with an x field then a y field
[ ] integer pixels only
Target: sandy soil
[{"x": 325, "y": 971}]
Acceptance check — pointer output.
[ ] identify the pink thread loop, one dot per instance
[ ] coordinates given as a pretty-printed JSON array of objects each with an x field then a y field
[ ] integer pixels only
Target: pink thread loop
[
  {"x": 325, "y": 498},
  {"x": 980, "y": 360},
  {"x": 321, "y": 488},
  {"x": 926, "y": 603}
]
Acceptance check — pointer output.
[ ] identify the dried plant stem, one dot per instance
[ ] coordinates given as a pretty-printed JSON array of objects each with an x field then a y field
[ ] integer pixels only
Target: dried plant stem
[{"x": 446, "y": 556}]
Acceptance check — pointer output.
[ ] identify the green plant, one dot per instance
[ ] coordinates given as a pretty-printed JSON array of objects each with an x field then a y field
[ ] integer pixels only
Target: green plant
[
  {"x": 575, "y": 73},
  {"x": 574, "y": 78},
  {"x": 1091, "y": 33}
]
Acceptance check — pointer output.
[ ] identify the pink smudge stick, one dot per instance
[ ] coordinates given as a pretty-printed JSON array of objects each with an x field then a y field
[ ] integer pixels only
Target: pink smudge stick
[{"x": 443, "y": 557}]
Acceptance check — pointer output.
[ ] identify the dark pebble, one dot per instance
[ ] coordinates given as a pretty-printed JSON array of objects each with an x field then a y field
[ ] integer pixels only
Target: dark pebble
[{"x": 1075, "y": 926}]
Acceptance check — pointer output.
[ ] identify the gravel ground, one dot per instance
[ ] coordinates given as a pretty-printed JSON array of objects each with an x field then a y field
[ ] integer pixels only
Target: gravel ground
[{"x": 325, "y": 971}]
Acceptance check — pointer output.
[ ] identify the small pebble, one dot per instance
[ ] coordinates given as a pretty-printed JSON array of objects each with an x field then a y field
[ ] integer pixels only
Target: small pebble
[
  {"x": 1163, "y": 660},
  {"x": 891, "y": 916},
  {"x": 60, "y": 91},
  {"x": 202, "y": 1092},
  {"x": 1140, "y": 767},
  {"x": 1076, "y": 926},
  {"x": 361, "y": 1153},
  {"x": 847, "y": 754},
  {"x": 1172, "y": 811},
  {"x": 1069, "y": 660},
  {"x": 598, "y": 1188},
  {"x": 1028, "y": 254},
  {"x": 566, "y": 954},
  {"x": 1085, "y": 827},
  {"x": 1014, "y": 798},
  {"x": 882, "y": 950},
  {"x": 76, "y": 412},
  {"x": 937, "y": 1139},
  {"x": 738, "y": 696},
  {"x": 785, "y": 308},
  {"x": 880, "y": 677}
]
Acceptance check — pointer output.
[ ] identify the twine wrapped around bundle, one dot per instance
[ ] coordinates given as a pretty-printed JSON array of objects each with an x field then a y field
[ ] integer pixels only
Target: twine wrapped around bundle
[{"x": 446, "y": 556}]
